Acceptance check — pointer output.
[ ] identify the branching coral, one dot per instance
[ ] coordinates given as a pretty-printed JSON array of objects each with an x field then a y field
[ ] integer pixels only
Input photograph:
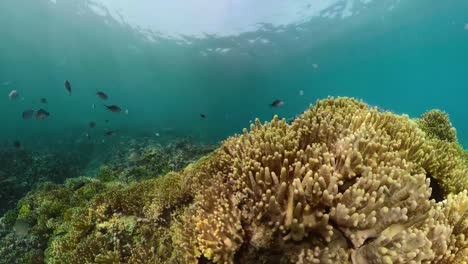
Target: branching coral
[{"x": 343, "y": 183}]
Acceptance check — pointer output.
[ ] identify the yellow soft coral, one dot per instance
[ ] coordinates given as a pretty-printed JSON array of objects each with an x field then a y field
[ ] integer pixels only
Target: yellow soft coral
[{"x": 343, "y": 182}]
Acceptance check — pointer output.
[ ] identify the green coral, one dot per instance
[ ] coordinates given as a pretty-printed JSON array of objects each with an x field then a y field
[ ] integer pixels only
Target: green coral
[
  {"x": 43, "y": 210},
  {"x": 152, "y": 161},
  {"x": 130, "y": 224},
  {"x": 436, "y": 124}
]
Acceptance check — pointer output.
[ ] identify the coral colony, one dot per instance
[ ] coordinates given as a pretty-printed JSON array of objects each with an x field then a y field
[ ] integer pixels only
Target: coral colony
[{"x": 344, "y": 183}]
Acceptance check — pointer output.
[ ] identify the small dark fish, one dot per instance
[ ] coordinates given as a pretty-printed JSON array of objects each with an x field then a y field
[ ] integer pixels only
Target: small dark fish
[
  {"x": 92, "y": 124},
  {"x": 277, "y": 103},
  {"x": 202, "y": 115},
  {"x": 68, "y": 87},
  {"x": 109, "y": 133},
  {"x": 17, "y": 144},
  {"x": 43, "y": 101},
  {"x": 107, "y": 121},
  {"x": 42, "y": 114},
  {"x": 102, "y": 95},
  {"x": 28, "y": 114},
  {"x": 113, "y": 108}
]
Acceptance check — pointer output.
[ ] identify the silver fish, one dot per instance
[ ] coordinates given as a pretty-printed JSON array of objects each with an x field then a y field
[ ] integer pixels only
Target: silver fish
[{"x": 13, "y": 95}]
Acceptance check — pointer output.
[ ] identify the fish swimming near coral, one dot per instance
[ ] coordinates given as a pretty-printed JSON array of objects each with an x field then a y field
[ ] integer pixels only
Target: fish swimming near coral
[
  {"x": 109, "y": 133},
  {"x": 133, "y": 157},
  {"x": 28, "y": 114},
  {"x": 277, "y": 103},
  {"x": 102, "y": 95},
  {"x": 113, "y": 108},
  {"x": 43, "y": 101},
  {"x": 13, "y": 95},
  {"x": 68, "y": 87},
  {"x": 21, "y": 228},
  {"x": 42, "y": 114}
]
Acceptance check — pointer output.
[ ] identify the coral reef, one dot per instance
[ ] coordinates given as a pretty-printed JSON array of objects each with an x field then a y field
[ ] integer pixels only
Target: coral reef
[
  {"x": 50, "y": 211},
  {"x": 436, "y": 124},
  {"x": 129, "y": 225},
  {"x": 22, "y": 170},
  {"x": 24, "y": 232},
  {"x": 144, "y": 159},
  {"x": 343, "y": 183}
]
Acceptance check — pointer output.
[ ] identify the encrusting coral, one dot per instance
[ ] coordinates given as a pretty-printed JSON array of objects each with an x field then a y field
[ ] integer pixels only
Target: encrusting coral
[{"x": 343, "y": 183}]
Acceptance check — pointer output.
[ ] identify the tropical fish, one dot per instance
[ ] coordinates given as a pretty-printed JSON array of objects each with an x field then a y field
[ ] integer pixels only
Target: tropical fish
[
  {"x": 277, "y": 103},
  {"x": 301, "y": 92},
  {"x": 113, "y": 108},
  {"x": 42, "y": 114},
  {"x": 102, "y": 95},
  {"x": 17, "y": 144},
  {"x": 21, "y": 228},
  {"x": 156, "y": 134},
  {"x": 13, "y": 95},
  {"x": 109, "y": 133},
  {"x": 133, "y": 157},
  {"x": 28, "y": 114},
  {"x": 43, "y": 101},
  {"x": 202, "y": 115},
  {"x": 92, "y": 124},
  {"x": 68, "y": 87}
]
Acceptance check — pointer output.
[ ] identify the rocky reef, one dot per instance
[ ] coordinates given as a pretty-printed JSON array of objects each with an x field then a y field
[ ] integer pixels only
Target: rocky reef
[
  {"x": 38, "y": 217},
  {"x": 343, "y": 183},
  {"x": 21, "y": 170}
]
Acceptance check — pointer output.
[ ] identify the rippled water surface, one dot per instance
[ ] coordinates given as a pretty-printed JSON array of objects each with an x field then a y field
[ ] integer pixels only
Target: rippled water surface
[{"x": 168, "y": 62}]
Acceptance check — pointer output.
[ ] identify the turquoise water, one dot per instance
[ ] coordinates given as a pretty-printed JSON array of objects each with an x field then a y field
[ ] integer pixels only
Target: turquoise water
[{"x": 405, "y": 56}]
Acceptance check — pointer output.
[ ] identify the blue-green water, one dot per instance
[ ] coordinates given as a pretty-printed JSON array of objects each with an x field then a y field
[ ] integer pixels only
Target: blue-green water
[{"x": 405, "y": 56}]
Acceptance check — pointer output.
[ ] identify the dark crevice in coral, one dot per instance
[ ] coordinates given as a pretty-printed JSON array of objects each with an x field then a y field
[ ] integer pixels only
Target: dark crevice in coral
[
  {"x": 368, "y": 240},
  {"x": 437, "y": 193},
  {"x": 326, "y": 210},
  {"x": 335, "y": 226},
  {"x": 347, "y": 184},
  {"x": 203, "y": 260}
]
